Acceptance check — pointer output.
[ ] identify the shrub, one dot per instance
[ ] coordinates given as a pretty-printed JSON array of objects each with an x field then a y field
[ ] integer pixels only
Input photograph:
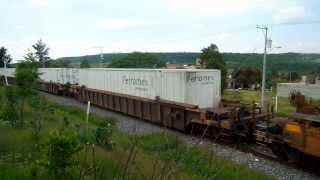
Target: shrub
[
  {"x": 9, "y": 112},
  {"x": 38, "y": 103},
  {"x": 103, "y": 135},
  {"x": 62, "y": 146},
  {"x": 36, "y": 126}
]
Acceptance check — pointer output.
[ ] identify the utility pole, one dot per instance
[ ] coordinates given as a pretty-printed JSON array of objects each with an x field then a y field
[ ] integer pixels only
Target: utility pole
[
  {"x": 264, "y": 28},
  {"x": 101, "y": 55},
  {"x": 5, "y": 71}
]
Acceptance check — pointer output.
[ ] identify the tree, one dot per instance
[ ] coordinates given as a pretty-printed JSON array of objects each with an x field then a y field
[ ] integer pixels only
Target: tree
[
  {"x": 58, "y": 63},
  {"x": 30, "y": 56},
  {"x": 84, "y": 63},
  {"x": 293, "y": 76},
  {"x": 26, "y": 78},
  {"x": 137, "y": 60},
  {"x": 246, "y": 76},
  {"x": 62, "y": 145},
  {"x": 41, "y": 52},
  {"x": 212, "y": 59},
  {"x": 4, "y": 57}
]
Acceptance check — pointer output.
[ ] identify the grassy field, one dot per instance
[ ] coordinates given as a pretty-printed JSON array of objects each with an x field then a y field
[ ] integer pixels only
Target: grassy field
[
  {"x": 150, "y": 156},
  {"x": 248, "y": 96}
]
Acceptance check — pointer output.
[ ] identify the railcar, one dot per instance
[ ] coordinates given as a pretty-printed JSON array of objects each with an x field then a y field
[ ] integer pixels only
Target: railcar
[{"x": 296, "y": 137}]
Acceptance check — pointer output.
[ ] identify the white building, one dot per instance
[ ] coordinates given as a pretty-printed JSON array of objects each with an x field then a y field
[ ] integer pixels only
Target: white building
[{"x": 309, "y": 90}]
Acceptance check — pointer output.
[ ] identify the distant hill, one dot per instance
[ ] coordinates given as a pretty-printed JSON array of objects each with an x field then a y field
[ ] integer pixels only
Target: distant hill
[
  {"x": 299, "y": 62},
  {"x": 179, "y": 57}
]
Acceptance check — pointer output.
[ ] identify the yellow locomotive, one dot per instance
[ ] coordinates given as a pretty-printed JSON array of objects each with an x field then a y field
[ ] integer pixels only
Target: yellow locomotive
[{"x": 297, "y": 137}]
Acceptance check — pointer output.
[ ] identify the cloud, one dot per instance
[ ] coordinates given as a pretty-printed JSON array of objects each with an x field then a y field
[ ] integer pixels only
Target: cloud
[
  {"x": 18, "y": 47},
  {"x": 224, "y": 7},
  {"x": 39, "y": 3},
  {"x": 120, "y": 23},
  {"x": 223, "y": 36},
  {"x": 305, "y": 46},
  {"x": 19, "y": 27},
  {"x": 290, "y": 14},
  {"x": 210, "y": 7},
  {"x": 198, "y": 27}
]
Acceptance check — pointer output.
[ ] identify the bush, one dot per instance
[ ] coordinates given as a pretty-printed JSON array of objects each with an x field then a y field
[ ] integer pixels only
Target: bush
[
  {"x": 85, "y": 134},
  {"x": 62, "y": 146},
  {"x": 103, "y": 135},
  {"x": 9, "y": 112},
  {"x": 38, "y": 103}
]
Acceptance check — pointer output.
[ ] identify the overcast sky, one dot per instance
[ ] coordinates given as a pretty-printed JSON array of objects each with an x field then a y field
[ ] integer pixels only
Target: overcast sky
[{"x": 74, "y": 27}]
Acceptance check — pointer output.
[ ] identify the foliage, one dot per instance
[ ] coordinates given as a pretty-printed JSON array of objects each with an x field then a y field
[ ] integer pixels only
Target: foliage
[
  {"x": 30, "y": 56},
  {"x": 212, "y": 59},
  {"x": 137, "y": 60},
  {"x": 103, "y": 135},
  {"x": 36, "y": 127},
  {"x": 293, "y": 76},
  {"x": 198, "y": 162},
  {"x": 246, "y": 76},
  {"x": 26, "y": 77},
  {"x": 4, "y": 57},
  {"x": 38, "y": 102},
  {"x": 154, "y": 142},
  {"x": 283, "y": 63},
  {"x": 84, "y": 63},
  {"x": 277, "y": 64},
  {"x": 157, "y": 156},
  {"x": 41, "y": 52},
  {"x": 9, "y": 111},
  {"x": 57, "y": 64},
  {"x": 63, "y": 145}
]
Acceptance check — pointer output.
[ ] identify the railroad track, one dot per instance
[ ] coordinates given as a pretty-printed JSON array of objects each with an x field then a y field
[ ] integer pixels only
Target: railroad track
[{"x": 262, "y": 151}]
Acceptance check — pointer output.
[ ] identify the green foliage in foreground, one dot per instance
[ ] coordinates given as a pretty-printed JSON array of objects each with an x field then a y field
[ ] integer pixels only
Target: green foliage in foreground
[
  {"x": 150, "y": 156},
  {"x": 9, "y": 103},
  {"x": 63, "y": 145},
  {"x": 26, "y": 80}
]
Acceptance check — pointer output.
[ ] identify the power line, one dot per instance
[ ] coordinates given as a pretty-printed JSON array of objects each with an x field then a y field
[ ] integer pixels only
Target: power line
[{"x": 296, "y": 23}]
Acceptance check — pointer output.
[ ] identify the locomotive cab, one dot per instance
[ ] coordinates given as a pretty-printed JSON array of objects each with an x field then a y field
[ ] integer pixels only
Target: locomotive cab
[
  {"x": 298, "y": 138},
  {"x": 303, "y": 133}
]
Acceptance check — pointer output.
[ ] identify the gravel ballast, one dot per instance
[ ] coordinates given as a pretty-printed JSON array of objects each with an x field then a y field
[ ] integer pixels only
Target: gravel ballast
[{"x": 132, "y": 125}]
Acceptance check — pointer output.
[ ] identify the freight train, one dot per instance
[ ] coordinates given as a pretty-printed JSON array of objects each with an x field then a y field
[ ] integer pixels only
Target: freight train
[{"x": 186, "y": 100}]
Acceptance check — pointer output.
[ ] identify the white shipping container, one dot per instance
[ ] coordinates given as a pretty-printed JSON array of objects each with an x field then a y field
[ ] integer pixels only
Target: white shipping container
[
  {"x": 192, "y": 86},
  {"x": 9, "y": 72}
]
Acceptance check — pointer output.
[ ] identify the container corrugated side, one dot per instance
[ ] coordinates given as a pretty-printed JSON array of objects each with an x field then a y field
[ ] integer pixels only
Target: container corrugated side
[{"x": 203, "y": 88}]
